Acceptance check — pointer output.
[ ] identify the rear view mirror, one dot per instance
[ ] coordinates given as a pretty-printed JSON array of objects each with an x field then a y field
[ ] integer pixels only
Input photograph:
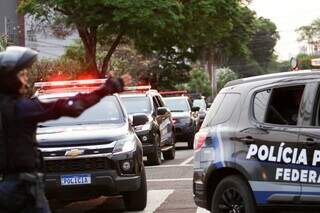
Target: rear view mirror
[
  {"x": 209, "y": 105},
  {"x": 139, "y": 119},
  {"x": 162, "y": 110}
]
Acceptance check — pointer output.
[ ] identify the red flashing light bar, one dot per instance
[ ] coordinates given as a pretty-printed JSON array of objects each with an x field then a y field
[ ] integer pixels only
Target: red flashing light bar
[
  {"x": 69, "y": 83},
  {"x": 181, "y": 92}
]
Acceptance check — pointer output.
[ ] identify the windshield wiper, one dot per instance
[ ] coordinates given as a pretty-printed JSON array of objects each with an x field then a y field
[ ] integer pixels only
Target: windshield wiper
[{"x": 177, "y": 111}]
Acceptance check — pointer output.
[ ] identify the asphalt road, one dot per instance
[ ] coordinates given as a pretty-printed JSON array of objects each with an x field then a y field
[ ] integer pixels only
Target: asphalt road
[{"x": 169, "y": 189}]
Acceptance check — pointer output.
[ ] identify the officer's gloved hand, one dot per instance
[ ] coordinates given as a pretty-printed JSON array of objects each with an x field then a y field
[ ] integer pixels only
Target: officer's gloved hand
[{"x": 116, "y": 85}]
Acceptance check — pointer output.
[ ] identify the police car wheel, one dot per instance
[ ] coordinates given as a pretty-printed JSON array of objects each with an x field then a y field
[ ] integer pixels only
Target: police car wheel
[
  {"x": 155, "y": 157},
  {"x": 137, "y": 201},
  {"x": 190, "y": 142},
  {"x": 233, "y": 195}
]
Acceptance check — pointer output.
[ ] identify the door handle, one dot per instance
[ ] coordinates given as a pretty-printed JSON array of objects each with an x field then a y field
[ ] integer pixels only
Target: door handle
[{"x": 247, "y": 140}]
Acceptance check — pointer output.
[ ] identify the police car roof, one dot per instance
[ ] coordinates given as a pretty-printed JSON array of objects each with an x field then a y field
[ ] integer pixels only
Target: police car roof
[{"x": 292, "y": 75}]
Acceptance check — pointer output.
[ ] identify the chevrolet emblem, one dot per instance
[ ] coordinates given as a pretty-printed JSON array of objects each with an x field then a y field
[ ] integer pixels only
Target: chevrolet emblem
[{"x": 74, "y": 153}]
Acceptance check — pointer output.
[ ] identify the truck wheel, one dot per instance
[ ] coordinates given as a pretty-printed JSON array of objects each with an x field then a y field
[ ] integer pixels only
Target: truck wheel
[
  {"x": 233, "y": 195},
  {"x": 190, "y": 142},
  {"x": 170, "y": 154},
  {"x": 155, "y": 157},
  {"x": 137, "y": 201}
]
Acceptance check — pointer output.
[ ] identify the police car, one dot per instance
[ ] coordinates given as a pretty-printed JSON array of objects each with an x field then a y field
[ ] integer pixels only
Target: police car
[
  {"x": 97, "y": 153},
  {"x": 186, "y": 119},
  {"x": 156, "y": 131},
  {"x": 259, "y": 145}
]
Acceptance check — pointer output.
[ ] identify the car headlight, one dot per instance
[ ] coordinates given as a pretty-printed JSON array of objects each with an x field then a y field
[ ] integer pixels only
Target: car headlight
[
  {"x": 125, "y": 145},
  {"x": 144, "y": 127}
]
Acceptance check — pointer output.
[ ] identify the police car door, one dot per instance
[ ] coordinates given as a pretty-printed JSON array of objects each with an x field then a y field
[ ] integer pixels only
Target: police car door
[
  {"x": 309, "y": 139},
  {"x": 269, "y": 139}
]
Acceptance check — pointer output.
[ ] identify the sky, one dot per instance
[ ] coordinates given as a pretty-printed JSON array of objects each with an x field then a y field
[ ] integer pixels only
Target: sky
[{"x": 288, "y": 15}]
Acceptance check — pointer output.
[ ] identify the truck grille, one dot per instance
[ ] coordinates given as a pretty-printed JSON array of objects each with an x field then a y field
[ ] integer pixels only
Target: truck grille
[{"x": 77, "y": 165}]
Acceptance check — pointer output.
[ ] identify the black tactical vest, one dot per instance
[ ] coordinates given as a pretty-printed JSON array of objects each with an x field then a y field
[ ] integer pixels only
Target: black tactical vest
[{"x": 7, "y": 120}]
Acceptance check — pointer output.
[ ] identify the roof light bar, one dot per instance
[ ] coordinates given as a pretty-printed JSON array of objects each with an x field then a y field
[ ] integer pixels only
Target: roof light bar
[
  {"x": 69, "y": 83},
  {"x": 135, "y": 88},
  {"x": 181, "y": 92}
]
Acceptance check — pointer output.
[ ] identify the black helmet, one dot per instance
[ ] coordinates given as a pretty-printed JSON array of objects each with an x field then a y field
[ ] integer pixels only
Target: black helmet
[{"x": 12, "y": 61}]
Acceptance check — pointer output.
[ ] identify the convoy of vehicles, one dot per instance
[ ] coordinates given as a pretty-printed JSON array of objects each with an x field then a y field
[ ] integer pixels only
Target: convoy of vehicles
[
  {"x": 97, "y": 153},
  {"x": 157, "y": 133},
  {"x": 185, "y": 118},
  {"x": 259, "y": 145}
]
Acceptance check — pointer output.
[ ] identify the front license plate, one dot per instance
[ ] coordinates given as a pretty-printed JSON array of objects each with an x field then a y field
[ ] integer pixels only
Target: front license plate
[{"x": 80, "y": 179}]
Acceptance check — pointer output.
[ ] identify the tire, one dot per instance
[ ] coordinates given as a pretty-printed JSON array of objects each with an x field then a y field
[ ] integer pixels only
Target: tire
[
  {"x": 155, "y": 157},
  {"x": 190, "y": 142},
  {"x": 137, "y": 201},
  {"x": 56, "y": 205},
  {"x": 170, "y": 154},
  {"x": 233, "y": 195}
]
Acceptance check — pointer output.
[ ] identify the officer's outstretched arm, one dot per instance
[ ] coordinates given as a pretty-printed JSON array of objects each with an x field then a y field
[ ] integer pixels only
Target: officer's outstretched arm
[
  {"x": 74, "y": 106},
  {"x": 36, "y": 111}
]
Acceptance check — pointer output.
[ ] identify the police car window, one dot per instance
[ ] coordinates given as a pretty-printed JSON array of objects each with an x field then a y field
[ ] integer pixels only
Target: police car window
[
  {"x": 284, "y": 105},
  {"x": 177, "y": 104},
  {"x": 260, "y": 104},
  {"x": 155, "y": 103},
  {"x": 160, "y": 101},
  {"x": 224, "y": 111},
  {"x": 107, "y": 110}
]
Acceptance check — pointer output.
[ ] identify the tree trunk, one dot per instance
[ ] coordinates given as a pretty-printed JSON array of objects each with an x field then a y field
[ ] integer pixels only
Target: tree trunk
[
  {"x": 212, "y": 67},
  {"x": 112, "y": 49},
  {"x": 89, "y": 39}
]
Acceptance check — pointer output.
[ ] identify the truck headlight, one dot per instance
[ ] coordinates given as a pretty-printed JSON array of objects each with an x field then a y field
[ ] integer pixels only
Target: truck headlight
[
  {"x": 185, "y": 120},
  {"x": 125, "y": 145}
]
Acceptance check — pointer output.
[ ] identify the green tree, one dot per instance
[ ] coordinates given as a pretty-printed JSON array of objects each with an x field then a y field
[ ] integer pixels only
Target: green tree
[
  {"x": 106, "y": 22},
  {"x": 310, "y": 33},
  {"x": 224, "y": 75},
  {"x": 199, "y": 82},
  {"x": 263, "y": 41},
  {"x": 3, "y": 42},
  {"x": 261, "y": 50}
]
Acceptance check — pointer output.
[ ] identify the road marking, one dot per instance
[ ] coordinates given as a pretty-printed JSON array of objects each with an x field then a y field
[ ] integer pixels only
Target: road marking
[
  {"x": 201, "y": 210},
  {"x": 187, "y": 161},
  {"x": 166, "y": 180},
  {"x": 155, "y": 199},
  {"x": 168, "y": 166}
]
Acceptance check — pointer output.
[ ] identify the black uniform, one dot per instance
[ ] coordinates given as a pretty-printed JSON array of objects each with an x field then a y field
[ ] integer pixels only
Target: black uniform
[{"x": 21, "y": 184}]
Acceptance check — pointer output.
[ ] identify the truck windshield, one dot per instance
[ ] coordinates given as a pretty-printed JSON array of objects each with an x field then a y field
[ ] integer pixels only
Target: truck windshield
[
  {"x": 108, "y": 110},
  {"x": 177, "y": 104},
  {"x": 137, "y": 104}
]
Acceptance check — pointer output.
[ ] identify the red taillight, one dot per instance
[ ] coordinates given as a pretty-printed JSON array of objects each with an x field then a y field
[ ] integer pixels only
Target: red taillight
[
  {"x": 174, "y": 121},
  {"x": 200, "y": 140}
]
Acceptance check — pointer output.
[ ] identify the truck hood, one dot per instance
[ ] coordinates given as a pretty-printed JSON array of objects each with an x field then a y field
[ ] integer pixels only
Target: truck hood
[{"x": 91, "y": 134}]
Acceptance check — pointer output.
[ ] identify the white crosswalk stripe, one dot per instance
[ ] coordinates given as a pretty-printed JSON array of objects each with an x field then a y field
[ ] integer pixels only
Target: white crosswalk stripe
[{"x": 201, "y": 210}]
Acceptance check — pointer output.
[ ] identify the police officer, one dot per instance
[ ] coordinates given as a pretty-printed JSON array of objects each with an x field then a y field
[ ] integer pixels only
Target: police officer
[{"x": 21, "y": 187}]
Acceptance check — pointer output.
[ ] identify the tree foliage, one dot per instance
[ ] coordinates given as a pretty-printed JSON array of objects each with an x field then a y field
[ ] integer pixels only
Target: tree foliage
[
  {"x": 224, "y": 75},
  {"x": 261, "y": 50},
  {"x": 310, "y": 33},
  {"x": 4, "y": 42},
  {"x": 199, "y": 82},
  {"x": 107, "y": 21}
]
